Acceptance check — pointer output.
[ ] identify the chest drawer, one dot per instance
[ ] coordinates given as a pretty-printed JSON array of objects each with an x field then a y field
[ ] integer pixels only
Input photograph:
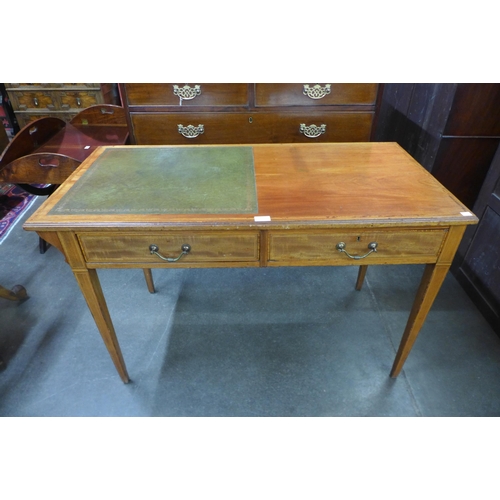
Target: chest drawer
[
  {"x": 205, "y": 247},
  {"x": 43, "y": 86},
  {"x": 320, "y": 247},
  {"x": 246, "y": 128},
  {"x": 191, "y": 128},
  {"x": 192, "y": 94},
  {"x": 311, "y": 127},
  {"x": 79, "y": 100},
  {"x": 34, "y": 101},
  {"x": 296, "y": 94}
]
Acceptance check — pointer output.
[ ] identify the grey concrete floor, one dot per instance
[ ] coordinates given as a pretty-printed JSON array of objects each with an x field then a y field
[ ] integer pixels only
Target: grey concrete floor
[{"x": 239, "y": 342}]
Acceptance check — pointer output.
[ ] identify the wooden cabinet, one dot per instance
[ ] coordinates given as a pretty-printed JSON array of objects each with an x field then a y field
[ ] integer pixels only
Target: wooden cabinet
[
  {"x": 31, "y": 101},
  {"x": 477, "y": 265},
  {"x": 452, "y": 129},
  {"x": 245, "y": 113}
]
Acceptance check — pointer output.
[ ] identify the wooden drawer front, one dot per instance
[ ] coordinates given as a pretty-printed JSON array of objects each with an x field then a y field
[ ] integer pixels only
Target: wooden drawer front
[
  {"x": 207, "y": 247},
  {"x": 41, "y": 86},
  {"x": 246, "y": 128},
  {"x": 79, "y": 100},
  {"x": 294, "y": 94},
  {"x": 217, "y": 128},
  {"x": 32, "y": 101},
  {"x": 24, "y": 118},
  {"x": 205, "y": 94},
  {"x": 329, "y": 127},
  {"x": 412, "y": 246}
]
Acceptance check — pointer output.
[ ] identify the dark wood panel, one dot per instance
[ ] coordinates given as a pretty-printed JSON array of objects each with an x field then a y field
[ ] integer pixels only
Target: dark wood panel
[
  {"x": 462, "y": 164},
  {"x": 480, "y": 272},
  {"x": 414, "y": 115},
  {"x": 427, "y": 115},
  {"x": 392, "y": 115},
  {"x": 476, "y": 110}
]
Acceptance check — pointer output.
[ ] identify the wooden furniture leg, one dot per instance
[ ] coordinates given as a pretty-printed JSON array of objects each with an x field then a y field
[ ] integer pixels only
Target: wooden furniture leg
[
  {"x": 91, "y": 288},
  {"x": 89, "y": 284},
  {"x": 361, "y": 277},
  {"x": 149, "y": 280},
  {"x": 18, "y": 292},
  {"x": 430, "y": 284}
]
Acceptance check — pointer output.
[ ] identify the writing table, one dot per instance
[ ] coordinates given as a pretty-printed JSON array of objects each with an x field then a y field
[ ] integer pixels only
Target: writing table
[{"x": 252, "y": 206}]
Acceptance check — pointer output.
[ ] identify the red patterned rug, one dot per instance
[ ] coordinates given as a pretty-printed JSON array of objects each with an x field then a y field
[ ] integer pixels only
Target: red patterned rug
[{"x": 13, "y": 202}]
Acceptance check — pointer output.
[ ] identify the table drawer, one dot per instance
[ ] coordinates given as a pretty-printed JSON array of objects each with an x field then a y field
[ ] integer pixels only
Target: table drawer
[
  {"x": 298, "y": 94},
  {"x": 205, "y": 247},
  {"x": 320, "y": 247},
  {"x": 192, "y": 94}
]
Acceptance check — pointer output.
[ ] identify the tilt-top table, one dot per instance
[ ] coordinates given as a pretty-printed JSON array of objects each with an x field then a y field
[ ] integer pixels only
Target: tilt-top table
[{"x": 252, "y": 206}]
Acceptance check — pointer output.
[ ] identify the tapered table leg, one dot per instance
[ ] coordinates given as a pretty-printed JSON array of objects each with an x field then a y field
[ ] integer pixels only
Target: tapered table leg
[
  {"x": 430, "y": 284},
  {"x": 91, "y": 288},
  {"x": 361, "y": 277},
  {"x": 149, "y": 280}
]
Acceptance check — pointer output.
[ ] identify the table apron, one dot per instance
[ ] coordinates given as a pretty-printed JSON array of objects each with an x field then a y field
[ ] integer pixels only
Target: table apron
[{"x": 261, "y": 248}]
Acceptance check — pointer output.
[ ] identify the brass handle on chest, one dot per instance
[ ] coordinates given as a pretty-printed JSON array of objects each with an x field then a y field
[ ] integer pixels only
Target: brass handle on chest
[
  {"x": 312, "y": 131},
  {"x": 372, "y": 247},
  {"x": 153, "y": 250},
  {"x": 317, "y": 91},
  {"x": 190, "y": 132},
  {"x": 187, "y": 93}
]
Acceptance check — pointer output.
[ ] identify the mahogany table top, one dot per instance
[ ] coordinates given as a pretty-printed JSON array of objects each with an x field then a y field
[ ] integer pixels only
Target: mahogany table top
[{"x": 331, "y": 184}]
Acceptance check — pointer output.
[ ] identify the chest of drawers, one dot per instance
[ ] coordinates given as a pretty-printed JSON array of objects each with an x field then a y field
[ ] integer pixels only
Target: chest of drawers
[
  {"x": 31, "y": 101},
  {"x": 245, "y": 113}
]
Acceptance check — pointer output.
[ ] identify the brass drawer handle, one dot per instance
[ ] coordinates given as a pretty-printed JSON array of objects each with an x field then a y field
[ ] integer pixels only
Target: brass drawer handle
[
  {"x": 372, "y": 247},
  {"x": 312, "y": 131},
  {"x": 191, "y": 131},
  {"x": 35, "y": 101},
  {"x": 78, "y": 102},
  {"x": 153, "y": 249},
  {"x": 317, "y": 91},
  {"x": 187, "y": 93}
]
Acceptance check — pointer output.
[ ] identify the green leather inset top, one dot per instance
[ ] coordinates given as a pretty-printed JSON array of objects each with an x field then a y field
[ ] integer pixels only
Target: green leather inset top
[{"x": 199, "y": 180}]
